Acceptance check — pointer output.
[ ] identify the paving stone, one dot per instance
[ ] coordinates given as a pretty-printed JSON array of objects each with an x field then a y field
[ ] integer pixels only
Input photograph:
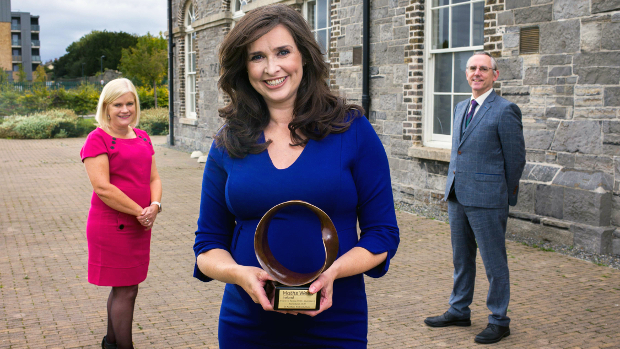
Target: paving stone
[{"x": 55, "y": 307}]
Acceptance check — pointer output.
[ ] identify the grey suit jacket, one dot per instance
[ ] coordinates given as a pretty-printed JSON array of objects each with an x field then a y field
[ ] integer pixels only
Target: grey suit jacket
[{"x": 487, "y": 161}]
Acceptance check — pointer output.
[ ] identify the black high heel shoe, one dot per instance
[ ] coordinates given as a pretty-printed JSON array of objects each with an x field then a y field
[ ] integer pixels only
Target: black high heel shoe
[{"x": 106, "y": 345}]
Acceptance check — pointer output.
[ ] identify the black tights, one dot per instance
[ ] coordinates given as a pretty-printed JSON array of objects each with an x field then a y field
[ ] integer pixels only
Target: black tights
[{"x": 120, "y": 315}]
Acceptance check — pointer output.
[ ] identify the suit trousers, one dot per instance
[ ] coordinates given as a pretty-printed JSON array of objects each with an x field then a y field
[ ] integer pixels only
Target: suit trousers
[{"x": 473, "y": 227}]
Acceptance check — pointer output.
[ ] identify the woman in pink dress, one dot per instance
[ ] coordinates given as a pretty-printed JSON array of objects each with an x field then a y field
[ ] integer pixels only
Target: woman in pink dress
[{"x": 126, "y": 200}]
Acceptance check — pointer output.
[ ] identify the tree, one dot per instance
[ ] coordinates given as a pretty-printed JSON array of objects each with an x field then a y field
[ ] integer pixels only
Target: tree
[
  {"x": 89, "y": 49},
  {"x": 147, "y": 62},
  {"x": 21, "y": 74},
  {"x": 40, "y": 74},
  {"x": 4, "y": 76}
]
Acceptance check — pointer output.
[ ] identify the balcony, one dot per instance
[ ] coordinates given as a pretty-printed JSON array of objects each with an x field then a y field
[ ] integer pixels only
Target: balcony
[
  {"x": 16, "y": 27},
  {"x": 35, "y": 43},
  {"x": 17, "y": 59},
  {"x": 35, "y": 27},
  {"x": 16, "y": 42},
  {"x": 36, "y": 59}
]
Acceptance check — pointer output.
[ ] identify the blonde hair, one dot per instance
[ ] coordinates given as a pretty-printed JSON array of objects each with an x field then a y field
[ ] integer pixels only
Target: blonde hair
[{"x": 112, "y": 91}]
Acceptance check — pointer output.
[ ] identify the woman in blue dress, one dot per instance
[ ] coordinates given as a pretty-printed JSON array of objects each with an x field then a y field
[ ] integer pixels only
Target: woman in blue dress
[{"x": 287, "y": 137}]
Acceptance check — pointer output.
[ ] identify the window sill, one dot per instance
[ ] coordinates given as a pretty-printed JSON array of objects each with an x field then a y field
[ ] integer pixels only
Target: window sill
[
  {"x": 187, "y": 121},
  {"x": 428, "y": 153}
]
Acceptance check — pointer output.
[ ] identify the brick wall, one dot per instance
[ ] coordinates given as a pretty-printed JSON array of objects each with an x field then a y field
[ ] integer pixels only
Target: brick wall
[{"x": 6, "y": 58}]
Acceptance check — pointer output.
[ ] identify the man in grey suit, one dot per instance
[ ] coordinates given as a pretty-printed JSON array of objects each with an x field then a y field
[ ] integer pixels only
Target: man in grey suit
[{"x": 487, "y": 159}]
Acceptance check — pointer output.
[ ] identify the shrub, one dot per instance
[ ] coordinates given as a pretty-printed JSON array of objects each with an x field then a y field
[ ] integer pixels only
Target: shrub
[
  {"x": 15, "y": 102},
  {"x": 147, "y": 100},
  {"x": 82, "y": 100},
  {"x": 154, "y": 121},
  {"x": 56, "y": 123}
]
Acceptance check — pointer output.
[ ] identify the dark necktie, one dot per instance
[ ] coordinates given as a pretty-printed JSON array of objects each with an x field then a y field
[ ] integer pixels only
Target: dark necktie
[{"x": 474, "y": 104}]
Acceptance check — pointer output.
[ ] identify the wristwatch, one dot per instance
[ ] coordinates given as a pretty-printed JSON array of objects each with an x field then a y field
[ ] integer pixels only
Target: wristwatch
[{"x": 158, "y": 204}]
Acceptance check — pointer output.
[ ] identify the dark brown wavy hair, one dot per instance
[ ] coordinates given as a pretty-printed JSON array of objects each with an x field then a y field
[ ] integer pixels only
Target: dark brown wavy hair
[{"x": 317, "y": 111}]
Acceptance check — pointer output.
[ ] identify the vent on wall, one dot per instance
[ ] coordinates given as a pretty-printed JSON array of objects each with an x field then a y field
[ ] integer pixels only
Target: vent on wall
[{"x": 529, "y": 40}]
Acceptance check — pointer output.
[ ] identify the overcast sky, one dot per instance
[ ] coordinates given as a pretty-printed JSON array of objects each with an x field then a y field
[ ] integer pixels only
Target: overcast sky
[{"x": 65, "y": 21}]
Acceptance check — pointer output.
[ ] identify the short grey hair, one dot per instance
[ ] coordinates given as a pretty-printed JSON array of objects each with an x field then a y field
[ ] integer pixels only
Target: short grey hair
[{"x": 483, "y": 53}]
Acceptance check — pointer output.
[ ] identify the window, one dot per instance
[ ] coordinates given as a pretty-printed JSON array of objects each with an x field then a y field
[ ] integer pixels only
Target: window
[
  {"x": 317, "y": 13},
  {"x": 237, "y": 9},
  {"x": 190, "y": 63},
  {"x": 456, "y": 32}
]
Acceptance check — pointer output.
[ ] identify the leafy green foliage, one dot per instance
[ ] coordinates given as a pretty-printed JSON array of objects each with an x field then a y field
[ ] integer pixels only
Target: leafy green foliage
[
  {"x": 55, "y": 123},
  {"x": 21, "y": 74},
  {"x": 154, "y": 121},
  {"x": 82, "y": 100},
  {"x": 89, "y": 49},
  {"x": 4, "y": 76},
  {"x": 147, "y": 97},
  {"x": 39, "y": 74},
  {"x": 147, "y": 61}
]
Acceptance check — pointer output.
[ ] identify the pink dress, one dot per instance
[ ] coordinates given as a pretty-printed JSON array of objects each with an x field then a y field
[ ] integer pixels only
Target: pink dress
[{"x": 118, "y": 246}]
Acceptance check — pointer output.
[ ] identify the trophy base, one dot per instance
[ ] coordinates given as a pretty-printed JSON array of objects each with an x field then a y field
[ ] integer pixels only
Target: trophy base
[{"x": 295, "y": 298}]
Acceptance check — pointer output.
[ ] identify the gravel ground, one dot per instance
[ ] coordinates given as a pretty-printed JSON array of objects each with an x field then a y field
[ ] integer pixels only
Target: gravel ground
[{"x": 432, "y": 212}]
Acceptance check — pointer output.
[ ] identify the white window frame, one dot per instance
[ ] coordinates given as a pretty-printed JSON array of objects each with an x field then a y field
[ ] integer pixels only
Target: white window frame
[
  {"x": 431, "y": 139},
  {"x": 190, "y": 56},
  {"x": 237, "y": 10},
  {"x": 312, "y": 4}
]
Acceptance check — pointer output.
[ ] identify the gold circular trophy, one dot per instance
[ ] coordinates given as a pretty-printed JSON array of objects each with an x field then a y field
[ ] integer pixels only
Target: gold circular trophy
[{"x": 291, "y": 288}]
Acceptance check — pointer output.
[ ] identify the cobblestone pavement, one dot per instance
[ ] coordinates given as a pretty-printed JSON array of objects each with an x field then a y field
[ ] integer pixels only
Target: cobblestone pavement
[{"x": 46, "y": 301}]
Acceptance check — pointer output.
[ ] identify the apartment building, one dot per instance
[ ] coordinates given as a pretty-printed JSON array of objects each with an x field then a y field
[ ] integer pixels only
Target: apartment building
[{"x": 19, "y": 41}]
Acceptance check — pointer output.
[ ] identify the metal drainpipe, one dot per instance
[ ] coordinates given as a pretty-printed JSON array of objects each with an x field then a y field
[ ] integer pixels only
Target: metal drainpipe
[
  {"x": 170, "y": 77},
  {"x": 366, "y": 59}
]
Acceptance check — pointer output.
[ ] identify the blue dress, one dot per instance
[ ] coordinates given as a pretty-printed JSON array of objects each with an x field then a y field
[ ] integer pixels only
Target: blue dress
[{"x": 347, "y": 176}]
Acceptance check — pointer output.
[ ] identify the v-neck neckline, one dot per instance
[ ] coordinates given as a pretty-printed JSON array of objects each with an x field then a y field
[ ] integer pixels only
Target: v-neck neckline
[{"x": 262, "y": 139}]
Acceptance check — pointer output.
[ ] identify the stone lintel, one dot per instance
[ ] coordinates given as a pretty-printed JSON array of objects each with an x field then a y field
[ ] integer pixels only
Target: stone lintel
[{"x": 213, "y": 20}]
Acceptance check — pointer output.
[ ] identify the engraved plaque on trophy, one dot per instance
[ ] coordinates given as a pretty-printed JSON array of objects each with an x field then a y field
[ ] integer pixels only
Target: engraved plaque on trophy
[{"x": 291, "y": 288}]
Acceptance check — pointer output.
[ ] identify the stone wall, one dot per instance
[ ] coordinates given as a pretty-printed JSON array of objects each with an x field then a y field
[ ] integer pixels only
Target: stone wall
[
  {"x": 569, "y": 94},
  {"x": 210, "y": 28}
]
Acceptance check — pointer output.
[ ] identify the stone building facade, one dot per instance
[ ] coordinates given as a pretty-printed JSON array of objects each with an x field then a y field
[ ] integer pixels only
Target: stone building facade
[{"x": 559, "y": 60}]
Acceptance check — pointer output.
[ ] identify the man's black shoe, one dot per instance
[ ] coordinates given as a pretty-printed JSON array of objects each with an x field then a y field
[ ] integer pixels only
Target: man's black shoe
[
  {"x": 447, "y": 319},
  {"x": 492, "y": 334}
]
